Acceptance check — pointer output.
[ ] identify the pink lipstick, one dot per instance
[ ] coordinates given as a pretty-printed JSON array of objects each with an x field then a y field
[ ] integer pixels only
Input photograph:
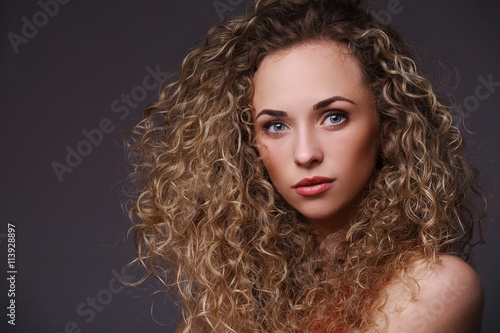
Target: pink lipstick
[{"x": 313, "y": 186}]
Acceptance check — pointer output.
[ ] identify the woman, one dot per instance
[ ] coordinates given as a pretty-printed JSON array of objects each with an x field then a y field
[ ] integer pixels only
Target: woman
[{"x": 302, "y": 176}]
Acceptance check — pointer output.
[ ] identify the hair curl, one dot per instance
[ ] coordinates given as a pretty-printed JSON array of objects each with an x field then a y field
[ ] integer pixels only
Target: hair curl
[{"x": 207, "y": 216}]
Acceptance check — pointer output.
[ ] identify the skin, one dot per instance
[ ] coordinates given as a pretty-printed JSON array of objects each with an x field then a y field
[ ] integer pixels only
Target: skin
[
  {"x": 301, "y": 141},
  {"x": 450, "y": 300},
  {"x": 300, "y": 136},
  {"x": 314, "y": 116}
]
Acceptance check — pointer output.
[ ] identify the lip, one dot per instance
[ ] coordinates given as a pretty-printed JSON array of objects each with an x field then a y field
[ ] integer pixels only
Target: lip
[{"x": 313, "y": 185}]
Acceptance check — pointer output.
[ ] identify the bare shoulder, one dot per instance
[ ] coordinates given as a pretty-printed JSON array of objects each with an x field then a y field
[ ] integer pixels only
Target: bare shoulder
[{"x": 449, "y": 298}]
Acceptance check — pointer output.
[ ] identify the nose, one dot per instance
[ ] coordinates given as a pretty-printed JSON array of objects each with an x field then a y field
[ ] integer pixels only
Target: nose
[{"x": 308, "y": 150}]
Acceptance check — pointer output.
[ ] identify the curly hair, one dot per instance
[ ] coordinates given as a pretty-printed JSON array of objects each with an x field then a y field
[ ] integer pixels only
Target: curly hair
[{"x": 210, "y": 225}]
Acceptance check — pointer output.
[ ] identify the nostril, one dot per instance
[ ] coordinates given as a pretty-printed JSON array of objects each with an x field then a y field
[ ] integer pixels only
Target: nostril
[{"x": 308, "y": 158}]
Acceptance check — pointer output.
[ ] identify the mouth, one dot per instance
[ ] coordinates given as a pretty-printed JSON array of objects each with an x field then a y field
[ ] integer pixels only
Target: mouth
[
  {"x": 313, "y": 186},
  {"x": 312, "y": 181}
]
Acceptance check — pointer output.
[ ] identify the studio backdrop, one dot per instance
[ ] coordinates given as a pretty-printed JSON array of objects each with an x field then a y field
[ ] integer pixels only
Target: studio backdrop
[{"x": 75, "y": 76}]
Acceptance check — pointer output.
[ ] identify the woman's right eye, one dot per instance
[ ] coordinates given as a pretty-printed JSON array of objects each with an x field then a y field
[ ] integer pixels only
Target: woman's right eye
[{"x": 275, "y": 127}]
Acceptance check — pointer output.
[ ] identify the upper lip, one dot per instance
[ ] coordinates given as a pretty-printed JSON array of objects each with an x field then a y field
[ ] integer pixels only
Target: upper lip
[{"x": 310, "y": 181}]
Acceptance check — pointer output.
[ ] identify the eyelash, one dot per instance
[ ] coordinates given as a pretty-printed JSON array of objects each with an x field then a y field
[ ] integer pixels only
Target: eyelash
[
  {"x": 267, "y": 126},
  {"x": 344, "y": 116}
]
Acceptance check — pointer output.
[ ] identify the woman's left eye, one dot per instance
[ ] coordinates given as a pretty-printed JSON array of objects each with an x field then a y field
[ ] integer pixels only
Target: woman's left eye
[{"x": 335, "y": 119}]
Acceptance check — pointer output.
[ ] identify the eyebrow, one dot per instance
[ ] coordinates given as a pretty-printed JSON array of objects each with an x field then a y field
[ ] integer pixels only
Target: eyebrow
[
  {"x": 331, "y": 100},
  {"x": 317, "y": 106},
  {"x": 274, "y": 113}
]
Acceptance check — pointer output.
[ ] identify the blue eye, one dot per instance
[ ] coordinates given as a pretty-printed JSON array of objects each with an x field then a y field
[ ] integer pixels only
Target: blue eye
[
  {"x": 275, "y": 127},
  {"x": 335, "y": 119}
]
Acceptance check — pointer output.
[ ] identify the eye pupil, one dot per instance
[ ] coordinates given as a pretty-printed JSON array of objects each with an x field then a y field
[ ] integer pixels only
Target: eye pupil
[
  {"x": 335, "y": 118},
  {"x": 278, "y": 127}
]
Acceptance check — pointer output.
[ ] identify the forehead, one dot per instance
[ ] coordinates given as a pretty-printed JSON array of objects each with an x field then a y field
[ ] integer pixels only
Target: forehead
[{"x": 308, "y": 72}]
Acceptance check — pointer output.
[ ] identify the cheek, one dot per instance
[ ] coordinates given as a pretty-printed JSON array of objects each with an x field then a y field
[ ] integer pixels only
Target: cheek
[
  {"x": 360, "y": 154},
  {"x": 263, "y": 150},
  {"x": 267, "y": 159},
  {"x": 264, "y": 154},
  {"x": 271, "y": 159},
  {"x": 368, "y": 152},
  {"x": 364, "y": 153}
]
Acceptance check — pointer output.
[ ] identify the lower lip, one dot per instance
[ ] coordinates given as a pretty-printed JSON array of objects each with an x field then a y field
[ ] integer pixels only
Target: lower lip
[{"x": 313, "y": 190}]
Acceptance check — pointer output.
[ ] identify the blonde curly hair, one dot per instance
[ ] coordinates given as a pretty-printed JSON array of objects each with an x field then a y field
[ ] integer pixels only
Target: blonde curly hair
[{"x": 208, "y": 222}]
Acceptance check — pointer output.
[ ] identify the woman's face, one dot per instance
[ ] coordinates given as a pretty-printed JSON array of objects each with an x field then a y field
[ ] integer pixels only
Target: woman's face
[{"x": 316, "y": 128}]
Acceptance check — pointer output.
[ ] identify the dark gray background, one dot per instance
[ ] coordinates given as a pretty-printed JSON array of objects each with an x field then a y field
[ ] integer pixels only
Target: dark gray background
[{"x": 70, "y": 234}]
